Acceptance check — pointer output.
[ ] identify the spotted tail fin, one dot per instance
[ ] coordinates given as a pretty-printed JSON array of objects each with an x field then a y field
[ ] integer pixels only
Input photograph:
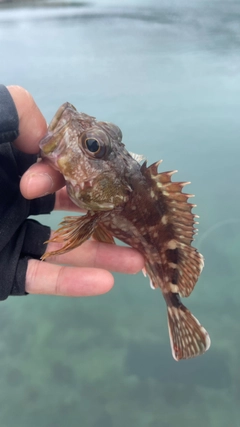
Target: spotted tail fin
[{"x": 187, "y": 337}]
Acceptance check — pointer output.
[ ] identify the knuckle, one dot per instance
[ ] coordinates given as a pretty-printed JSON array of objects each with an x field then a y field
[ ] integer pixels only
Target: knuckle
[
  {"x": 31, "y": 274},
  {"x": 59, "y": 280}
]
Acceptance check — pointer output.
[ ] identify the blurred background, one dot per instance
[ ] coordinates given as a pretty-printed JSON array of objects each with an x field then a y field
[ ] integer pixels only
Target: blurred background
[{"x": 169, "y": 76}]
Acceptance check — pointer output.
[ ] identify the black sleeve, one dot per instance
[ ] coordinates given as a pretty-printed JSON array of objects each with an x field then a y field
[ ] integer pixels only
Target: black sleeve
[
  {"x": 20, "y": 238},
  {"x": 8, "y": 117}
]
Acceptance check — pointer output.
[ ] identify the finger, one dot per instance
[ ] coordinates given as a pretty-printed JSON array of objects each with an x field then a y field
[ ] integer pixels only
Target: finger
[
  {"x": 32, "y": 124},
  {"x": 39, "y": 180},
  {"x": 64, "y": 203},
  {"x": 50, "y": 279},
  {"x": 120, "y": 259}
]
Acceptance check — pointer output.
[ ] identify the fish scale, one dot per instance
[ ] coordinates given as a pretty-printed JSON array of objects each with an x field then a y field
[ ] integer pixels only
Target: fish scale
[{"x": 135, "y": 203}]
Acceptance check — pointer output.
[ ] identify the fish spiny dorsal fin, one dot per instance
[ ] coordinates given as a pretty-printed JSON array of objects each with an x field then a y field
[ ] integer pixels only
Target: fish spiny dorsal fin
[
  {"x": 181, "y": 263},
  {"x": 138, "y": 157},
  {"x": 150, "y": 171}
]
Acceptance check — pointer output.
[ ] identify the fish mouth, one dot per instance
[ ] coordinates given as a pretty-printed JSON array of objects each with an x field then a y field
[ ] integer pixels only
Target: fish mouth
[
  {"x": 86, "y": 185},
  {"x": 46, "y": 145},
  {"x": 79, "y": 187},
  {"x": 77, "y": 191},
  {"x": 52, "y": 143}
]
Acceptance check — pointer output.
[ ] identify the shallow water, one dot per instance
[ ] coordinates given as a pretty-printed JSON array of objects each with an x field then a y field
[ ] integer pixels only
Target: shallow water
[{"x": 170, "y": 78}]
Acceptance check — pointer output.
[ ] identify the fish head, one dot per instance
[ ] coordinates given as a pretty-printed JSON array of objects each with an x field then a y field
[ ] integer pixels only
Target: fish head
[{"x": 90, "y": 155}]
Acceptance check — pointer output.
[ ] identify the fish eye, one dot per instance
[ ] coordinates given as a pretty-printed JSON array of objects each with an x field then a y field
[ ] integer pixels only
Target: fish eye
[{"x": 94, "y": 147}]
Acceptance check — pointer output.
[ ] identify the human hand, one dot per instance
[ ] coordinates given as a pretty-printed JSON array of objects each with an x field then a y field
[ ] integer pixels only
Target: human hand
[{"x": 85, "y": 270}]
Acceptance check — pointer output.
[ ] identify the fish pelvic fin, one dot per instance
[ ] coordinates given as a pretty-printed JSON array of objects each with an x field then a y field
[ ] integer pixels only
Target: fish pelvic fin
[
  {"x": 73, "y": 231},
  {"x": 188, "y": 338},
  {"x": 101, "y": 234}
]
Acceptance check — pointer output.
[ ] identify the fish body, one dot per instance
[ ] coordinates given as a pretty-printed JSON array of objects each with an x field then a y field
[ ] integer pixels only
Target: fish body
[{"x": 127, "y": 200}]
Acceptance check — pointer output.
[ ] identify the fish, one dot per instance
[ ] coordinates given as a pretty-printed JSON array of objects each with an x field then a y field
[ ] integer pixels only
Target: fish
[{"x": 127, "y": 200}]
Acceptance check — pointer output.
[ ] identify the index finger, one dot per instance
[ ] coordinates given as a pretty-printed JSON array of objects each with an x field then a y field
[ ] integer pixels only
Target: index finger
[
  {"x": 32, "y": 124},
  {"x": 41, "y": 178}
]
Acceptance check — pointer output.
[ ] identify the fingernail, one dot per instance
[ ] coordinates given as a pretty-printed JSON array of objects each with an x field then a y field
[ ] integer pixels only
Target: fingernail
[{"x": 39, "y": 185}]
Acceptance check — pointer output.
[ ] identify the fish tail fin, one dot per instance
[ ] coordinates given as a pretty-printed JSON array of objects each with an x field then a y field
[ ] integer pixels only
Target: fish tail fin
[{"x": 188, "y": 337}]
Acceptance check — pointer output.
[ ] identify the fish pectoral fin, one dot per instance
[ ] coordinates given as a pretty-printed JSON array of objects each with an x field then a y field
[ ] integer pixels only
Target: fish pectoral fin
[
  {"x": 187, "y": 337},
  {"x": 73, "y": 231},
  {"x": 101, "y": 234}
]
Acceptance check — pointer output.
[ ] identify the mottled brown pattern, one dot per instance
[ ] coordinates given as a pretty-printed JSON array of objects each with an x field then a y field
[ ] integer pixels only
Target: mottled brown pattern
[{"x": 131, "y": 202}]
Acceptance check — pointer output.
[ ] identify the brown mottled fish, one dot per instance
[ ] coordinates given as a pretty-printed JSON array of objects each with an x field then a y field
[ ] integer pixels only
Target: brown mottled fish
[{"x": 131, "y": 202}]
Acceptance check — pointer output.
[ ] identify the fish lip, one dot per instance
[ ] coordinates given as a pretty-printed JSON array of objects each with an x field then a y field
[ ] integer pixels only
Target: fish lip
[
  {"x": 45, "y": 140},
  {"x": 52, "y": 144}
]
